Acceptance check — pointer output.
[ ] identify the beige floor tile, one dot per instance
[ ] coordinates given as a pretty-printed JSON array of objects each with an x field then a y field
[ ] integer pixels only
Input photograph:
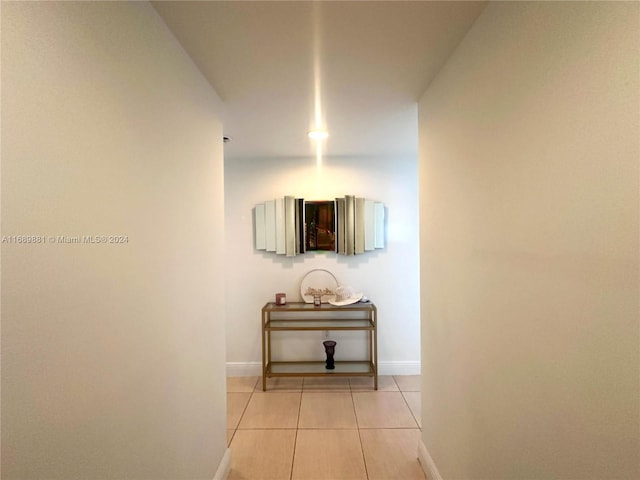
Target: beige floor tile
[
  {"x": 241, "y": 384},
  {"x": 271, "y": 410},
  {"x": 392, "y": 454},
  {"x": 326, "y": 384},
  {"x": 262, "y": 454},
  {"x": 230, "y": 433},
  {"x": 414, "y": 399},
  {"x": 282, "y": 384},
  {"x": 382, "y": 410},
  {"x": 386, "y": 383},
  {"x": 328, "y": 454},
  {"x": 327, "y": 410},
  {"x": 409, "y": 383},
  {"x": 236, "y": 404}
]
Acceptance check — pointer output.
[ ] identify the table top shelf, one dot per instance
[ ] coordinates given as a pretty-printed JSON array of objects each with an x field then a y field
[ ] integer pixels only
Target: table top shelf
[{"x": 325, "y": 307}]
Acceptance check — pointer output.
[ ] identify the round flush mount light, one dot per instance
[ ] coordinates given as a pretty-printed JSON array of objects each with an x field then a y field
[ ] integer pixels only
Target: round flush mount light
[{"x": 318, "y": 134}]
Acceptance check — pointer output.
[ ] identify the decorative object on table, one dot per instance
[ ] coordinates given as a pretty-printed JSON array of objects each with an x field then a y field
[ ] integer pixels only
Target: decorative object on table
[
  {"x": 317, "y": 300},
  {"x": 345, "y": 296},
  {"x": 318, "y": 282},
  {"x": 281, "y": 298},
  {"x": 329, "y": 348}
]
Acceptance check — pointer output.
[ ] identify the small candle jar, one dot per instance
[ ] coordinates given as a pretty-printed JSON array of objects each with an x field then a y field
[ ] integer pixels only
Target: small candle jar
[
  {"x": 317, "y": 300},
  {"x": 281, "y": 298}
]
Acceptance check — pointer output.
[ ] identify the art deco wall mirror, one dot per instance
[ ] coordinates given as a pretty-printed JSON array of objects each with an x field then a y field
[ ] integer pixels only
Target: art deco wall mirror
[{"x": 292, "y": 226}]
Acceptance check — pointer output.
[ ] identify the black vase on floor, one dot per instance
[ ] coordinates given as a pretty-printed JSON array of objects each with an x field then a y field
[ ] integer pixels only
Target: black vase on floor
[{"x": 329, "y": 348}]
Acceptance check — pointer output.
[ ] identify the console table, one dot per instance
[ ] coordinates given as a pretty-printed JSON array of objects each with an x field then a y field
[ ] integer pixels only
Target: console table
[{"x": 302, "y": 317}]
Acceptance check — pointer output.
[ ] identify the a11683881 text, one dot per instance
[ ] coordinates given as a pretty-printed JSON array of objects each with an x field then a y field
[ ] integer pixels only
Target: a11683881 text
[{"x": 64, "y": 239}]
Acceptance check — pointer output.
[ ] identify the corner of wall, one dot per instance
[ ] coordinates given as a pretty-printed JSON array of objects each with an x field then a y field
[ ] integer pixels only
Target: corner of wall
[
  {"x": 427, "y": 463},
  {"x": 224, "y": 468}
]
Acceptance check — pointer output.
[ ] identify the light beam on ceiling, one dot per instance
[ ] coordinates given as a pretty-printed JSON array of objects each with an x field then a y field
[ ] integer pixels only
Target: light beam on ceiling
[{"x": 318, "y": 133}]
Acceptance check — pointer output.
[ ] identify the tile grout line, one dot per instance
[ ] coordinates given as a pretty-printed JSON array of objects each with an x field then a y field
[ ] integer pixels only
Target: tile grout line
[
  {"x": 364, "y": 459},
  {"x": 393, "y": 377},
  {"x": 235, "y": 430},
  {"x": 295, "y": 438},
  {"x": 407, "y": 403},
  {"x": 410, "y": 411},
  {"x": 244, "y": 410}
]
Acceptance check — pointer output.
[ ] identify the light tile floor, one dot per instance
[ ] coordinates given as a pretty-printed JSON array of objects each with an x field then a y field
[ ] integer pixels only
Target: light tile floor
[{"x": 324, "y": 428}]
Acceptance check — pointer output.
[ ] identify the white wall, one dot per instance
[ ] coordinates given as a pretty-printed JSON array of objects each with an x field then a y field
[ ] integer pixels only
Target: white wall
[
  {"x": 112, "y": 358},
  {"x": 389, "y": 277},
  {"x": 529, "y": 152}
]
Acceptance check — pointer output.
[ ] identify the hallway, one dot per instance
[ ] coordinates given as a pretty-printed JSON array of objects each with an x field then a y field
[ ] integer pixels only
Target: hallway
[{"x": 324, "y": 428}]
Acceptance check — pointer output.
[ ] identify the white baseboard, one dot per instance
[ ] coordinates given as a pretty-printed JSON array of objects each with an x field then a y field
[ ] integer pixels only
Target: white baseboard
[
  {"x": 244, "y": 369},
  {"x": 225, "y": 466},
  {"x": 427, "y": 463},
  {"x": 399, "y": 368},
  {"x": 253, "y": 369}
]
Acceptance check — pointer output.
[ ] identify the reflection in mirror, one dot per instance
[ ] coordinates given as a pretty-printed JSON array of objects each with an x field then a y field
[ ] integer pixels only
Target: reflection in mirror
[{"x": 320, "y": 226}]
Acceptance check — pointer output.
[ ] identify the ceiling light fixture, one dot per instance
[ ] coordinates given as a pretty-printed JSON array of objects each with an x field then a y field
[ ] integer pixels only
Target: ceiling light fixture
[{"x": 318, "y": 134}]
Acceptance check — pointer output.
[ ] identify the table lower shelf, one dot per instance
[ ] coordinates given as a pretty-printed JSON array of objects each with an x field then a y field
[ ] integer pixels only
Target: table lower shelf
[{"x": 317, "y": 369}]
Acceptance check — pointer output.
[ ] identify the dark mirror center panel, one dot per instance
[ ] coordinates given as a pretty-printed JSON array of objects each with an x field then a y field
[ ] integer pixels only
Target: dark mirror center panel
[{"x": 320, "y": 226}]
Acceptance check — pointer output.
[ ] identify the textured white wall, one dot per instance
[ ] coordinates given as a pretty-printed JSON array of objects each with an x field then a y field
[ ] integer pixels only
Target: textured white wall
[
  {"x": 389, "y": 277},
  {"x": 529, "y": 152},
  {"x": 112, "y": 358}
]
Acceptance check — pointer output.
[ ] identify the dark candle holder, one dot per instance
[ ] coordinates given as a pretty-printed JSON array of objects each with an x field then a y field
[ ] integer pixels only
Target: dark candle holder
[{"x": 329, "y": 348}]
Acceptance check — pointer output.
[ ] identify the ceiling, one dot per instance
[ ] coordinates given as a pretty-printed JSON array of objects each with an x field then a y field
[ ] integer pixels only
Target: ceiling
[{"x": 355, "y": 68}]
